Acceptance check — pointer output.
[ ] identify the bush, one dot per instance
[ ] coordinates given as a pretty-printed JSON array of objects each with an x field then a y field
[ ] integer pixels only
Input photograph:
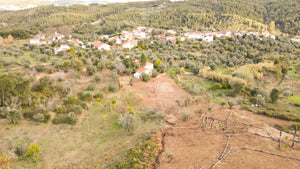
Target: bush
[
  {"x": 38, "y": 117},
  {"x": 33, "y": 152},
  {"x": 39, "y": 68},
  {"x": 231, "y": 104},
  {"x": 20, "y": 150},
  {"x": 90, "y": 87},
  {"x": 113, "y": 87},
  {"x": 162, "y": 68},
  {"x": 84, "y": 106},
  {"x": 71, "y": 118},
  {"x": 145, "y": 77},
  {"x": 98, "y": 77},
  {"x": 129, "y": 122},
  {"x": 71, "y": 100},
  {"x": 287, "y": 93},
  {"x": 90, "y": 70},
  {"x": 98, "y": 95},
  {"x": 85, "y": 96},
  {"x": 197, "y": 89},
  {"x": 260, "y": 100},
  {"x": 68, "y": 119},
  {"x": 153, "y": 115},
  {"x": 76, "y": 109},
  {"x": 217, "y": 86},
  {"x": 237, "y": 85},
  {"x": 185, "y": 116},
  {"x": 154, "y": 73},
  {"x": 274, "y": 95}
]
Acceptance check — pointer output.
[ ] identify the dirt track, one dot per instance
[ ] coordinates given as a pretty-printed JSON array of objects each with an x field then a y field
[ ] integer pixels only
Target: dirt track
[{"x": 198, "y": 142}]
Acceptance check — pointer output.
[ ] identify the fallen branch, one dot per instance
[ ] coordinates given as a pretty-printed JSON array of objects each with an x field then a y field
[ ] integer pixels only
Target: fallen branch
[
  {"x": 213, "y": 166},
  {"x": 291, "y": 158},
  {"x": 225, "y": 147},
  {"x": 252, "y": 125}
]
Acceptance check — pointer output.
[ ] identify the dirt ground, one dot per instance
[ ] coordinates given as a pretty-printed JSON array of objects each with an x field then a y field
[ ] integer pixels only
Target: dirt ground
[{"x": 234, "y": 137}]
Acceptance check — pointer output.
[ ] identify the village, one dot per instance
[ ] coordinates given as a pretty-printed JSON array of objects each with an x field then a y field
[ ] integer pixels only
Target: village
[{"x": 128, "y": 40}]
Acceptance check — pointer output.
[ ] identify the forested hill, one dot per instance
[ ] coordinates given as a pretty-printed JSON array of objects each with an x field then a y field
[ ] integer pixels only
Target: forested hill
[{"x": 271, "y": 15}]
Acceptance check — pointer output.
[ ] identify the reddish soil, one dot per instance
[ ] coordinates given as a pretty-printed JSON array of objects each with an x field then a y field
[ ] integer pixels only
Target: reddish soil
[{"x": 198, "y": 142}]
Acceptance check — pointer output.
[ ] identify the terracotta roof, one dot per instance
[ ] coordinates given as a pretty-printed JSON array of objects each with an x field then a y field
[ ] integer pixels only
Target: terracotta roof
[
  {"x": 141, "y": 70},
  {"x": 97, "y": 43}
]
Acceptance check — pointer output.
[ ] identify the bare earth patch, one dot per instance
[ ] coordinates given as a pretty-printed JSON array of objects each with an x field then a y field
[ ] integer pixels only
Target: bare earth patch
[{"x": 200, "y": 142}]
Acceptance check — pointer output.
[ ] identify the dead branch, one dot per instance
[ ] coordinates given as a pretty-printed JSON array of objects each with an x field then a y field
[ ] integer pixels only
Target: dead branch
[
  {"x": 225, "y": 147},
  {"x": 226, "y": 119},
  {"x": 291, "y": 158},
  {"x": 251, "y": 125},
  {"x": 213, "y": 166}
]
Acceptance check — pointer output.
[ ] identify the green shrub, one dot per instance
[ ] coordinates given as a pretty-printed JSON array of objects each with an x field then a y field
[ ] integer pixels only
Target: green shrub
[
  {"x": 145, "y": 77},
  {"x": 217, "y": 86},
  {"x": 142, "y": 156},
  {"x": 154, "y": 73},
  {"x": 38, "y": 117},
  {"x": 231, "y": 104},
  {"x": 98, "y": 94},
  {"x": 85, "y": 96},
  {"x": 91, "y": 87},
  {"x": 33, "y": 152},
  {"x": 129, "y": 122},
  {"x": 90, "y": 69},
  {"x": 20, "y": 150},
  {"x": 65, "y": 119},
  {"x": 84, "y": 106},
  {"x": 76, "y": 109},
  {"x": 113, "y": 87},
  {"x": 185, "y": 116},
  {"x": 274, "y": 95},
  {"x": 152, "y": 115},
  {"x": 71, "y": 100},
  {"x": 98, "y": 77}
]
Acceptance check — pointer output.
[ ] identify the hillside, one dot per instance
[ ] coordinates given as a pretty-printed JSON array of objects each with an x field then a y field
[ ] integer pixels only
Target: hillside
[
  {"x": 189, "y": 15},
  {"x": 159, "y": 84}
]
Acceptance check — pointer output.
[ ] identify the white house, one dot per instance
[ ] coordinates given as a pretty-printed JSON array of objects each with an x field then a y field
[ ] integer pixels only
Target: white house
[
  {"x": 101, "y": 46},
  {"x": 40, "y": 36},
  {"x": 126, "y": 35},
  {"x": 77, "y": 43},
  {"x": 172, "y": 31},
  {"x": 129, "y": 44},
  {"x": 117, "y": 40},
  {"x": 182, "y": 38},
  {"x": 36, "y": 42},
  {"x": 148, "y": 68},
  {"x": 208, "y": 39},
  {"x": 141, "y": 28},
  {"x": 139, "y": 34},
  {"x": 296, "y": 39},
  {"x": 57, "y": 36},
  {"x": 62, "y": 48}
]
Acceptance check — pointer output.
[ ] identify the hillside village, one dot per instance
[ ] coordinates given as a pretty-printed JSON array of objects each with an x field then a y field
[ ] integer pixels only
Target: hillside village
[{"x": 129, "y": 39}]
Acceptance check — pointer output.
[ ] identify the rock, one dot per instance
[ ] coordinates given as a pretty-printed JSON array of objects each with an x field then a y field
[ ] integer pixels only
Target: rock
[{"x": 171, "y": 119}]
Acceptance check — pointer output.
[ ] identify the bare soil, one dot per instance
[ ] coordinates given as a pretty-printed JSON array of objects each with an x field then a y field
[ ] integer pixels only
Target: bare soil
[{"x": 199, "y": 141}]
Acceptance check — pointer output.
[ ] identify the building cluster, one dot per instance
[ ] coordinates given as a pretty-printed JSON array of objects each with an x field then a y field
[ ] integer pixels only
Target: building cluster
[{"x": 129, "y": 39}]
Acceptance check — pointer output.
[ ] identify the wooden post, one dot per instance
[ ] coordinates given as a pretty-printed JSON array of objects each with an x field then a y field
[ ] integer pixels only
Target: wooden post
[
  {"x": 280, "y": 139},
  {"x": 293, "y": 143}
]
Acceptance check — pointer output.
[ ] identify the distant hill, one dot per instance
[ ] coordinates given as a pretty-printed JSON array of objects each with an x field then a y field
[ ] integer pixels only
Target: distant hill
[
  {"x": 275, "y": 16},
  {"x": 71, "y": 2},
  {"x": 22, "y": 3}
]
